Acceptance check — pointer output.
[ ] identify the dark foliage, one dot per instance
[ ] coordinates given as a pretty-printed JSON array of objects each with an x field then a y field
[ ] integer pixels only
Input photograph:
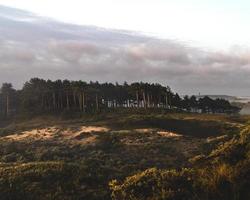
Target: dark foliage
[{"x": 65, "y": 97}]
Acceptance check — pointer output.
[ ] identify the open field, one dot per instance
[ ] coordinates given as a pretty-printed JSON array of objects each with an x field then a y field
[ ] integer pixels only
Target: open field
[{"x": 52, "y": 158}]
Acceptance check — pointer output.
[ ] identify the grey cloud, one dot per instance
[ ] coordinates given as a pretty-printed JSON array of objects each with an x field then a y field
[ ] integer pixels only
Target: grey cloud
[{"x": 32, "y": 46}]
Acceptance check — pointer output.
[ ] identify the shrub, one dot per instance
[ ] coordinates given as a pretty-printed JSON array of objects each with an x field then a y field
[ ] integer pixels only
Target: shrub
[
  {"x": 155, "y": 184},
  {"x": 223, "y": 175}
]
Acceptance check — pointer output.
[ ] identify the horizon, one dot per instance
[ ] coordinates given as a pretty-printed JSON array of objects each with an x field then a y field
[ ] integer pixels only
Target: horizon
[
  {"x": 37, "y": 41},
  {"x": 129, "y": 83},
  {"x": 125, "y": 99}
]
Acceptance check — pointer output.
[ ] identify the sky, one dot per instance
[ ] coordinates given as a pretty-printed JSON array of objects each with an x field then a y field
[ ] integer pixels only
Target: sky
[
  {"x": 209, "y": 23},
  {"x": 194, "y": 46}
]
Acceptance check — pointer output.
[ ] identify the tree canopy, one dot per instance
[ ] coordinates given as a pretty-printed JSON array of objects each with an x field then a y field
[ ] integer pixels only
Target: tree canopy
[{"x": 41, "y": 96}]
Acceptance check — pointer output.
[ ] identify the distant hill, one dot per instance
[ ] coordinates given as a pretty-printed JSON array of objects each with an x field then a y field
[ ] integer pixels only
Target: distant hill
[
  {"x": 226, "y": 97},
  {"x": 238, "y": 99}
]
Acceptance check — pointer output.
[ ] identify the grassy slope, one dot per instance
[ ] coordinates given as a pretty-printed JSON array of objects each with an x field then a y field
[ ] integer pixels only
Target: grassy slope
[{"x": 62, "y": 167}]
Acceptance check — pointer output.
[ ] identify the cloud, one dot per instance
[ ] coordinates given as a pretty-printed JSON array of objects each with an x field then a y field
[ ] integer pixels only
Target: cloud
[{"x": 32, "y": 46}]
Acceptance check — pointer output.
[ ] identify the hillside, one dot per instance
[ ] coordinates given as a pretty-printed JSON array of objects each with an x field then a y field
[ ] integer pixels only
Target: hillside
[{"x": 52, "y": 158}]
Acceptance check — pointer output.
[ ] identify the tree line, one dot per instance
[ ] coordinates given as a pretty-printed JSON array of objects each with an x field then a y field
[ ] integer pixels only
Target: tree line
[{"x": 41, "y": 96}]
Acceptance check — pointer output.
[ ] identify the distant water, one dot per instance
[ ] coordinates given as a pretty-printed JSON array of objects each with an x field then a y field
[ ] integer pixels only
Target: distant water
[
  {"x": 245, "y": 100},
  {"x": 245, "y": 110}
]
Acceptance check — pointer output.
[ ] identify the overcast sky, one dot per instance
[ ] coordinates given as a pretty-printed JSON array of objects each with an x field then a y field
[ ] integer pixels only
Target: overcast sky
[{"x": 193, "y": 46}]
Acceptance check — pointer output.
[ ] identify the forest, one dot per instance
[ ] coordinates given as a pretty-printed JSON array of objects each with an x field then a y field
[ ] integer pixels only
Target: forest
[
  {"x": 40, "y": 96},
  {"x": 141, "y": 141}
]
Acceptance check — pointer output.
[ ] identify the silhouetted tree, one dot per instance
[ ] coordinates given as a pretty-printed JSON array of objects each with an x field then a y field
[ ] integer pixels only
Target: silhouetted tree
[{"x": 41, "y": 96}]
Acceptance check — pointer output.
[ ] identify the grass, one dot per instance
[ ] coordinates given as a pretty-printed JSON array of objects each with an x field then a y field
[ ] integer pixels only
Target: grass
[
  {"x": 74, "y": 164},
  {"x": 222, "y": 174}
]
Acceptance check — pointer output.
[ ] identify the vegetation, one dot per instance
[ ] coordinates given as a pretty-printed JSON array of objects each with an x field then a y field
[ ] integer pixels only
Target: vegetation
[
  {"x": 78, "y": 140},
  {"x": 39, "y": 96},
  {"x": 126, "y": 155},
  {"x": 222, "y": 174}
]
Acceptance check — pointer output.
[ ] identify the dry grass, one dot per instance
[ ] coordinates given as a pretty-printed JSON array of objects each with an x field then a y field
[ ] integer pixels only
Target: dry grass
[{"x": 112, "y": 146}]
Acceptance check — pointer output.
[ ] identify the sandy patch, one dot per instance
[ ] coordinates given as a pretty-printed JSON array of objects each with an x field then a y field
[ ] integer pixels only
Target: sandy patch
[
  {"x": 168, "y": 134},
  {"x": 89, "y": 129},
  {"x": 70, "y": 134},
  {"x": 144, "y": 130},
  {"x": 82, "y": 134},
  {"x": 36, "y": 134}
]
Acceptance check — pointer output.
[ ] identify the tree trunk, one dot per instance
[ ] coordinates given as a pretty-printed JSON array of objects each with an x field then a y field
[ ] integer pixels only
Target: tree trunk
[
  {"x": 67, "y": 100},
  {"x": 159, "y": 101},
  {"x": 166, "y": 101},
  {"x": 80, "y": 101},
  {"x": 7, "y": 105},
  {"x": 152, "y": 101},
  {"x": 74, "y": 97},
  {"x": 54, "y": 100},
  {"x": 58, "y": 102},
  {"x": 96, "y": 101},
  {"x": 42, "y": 106},
  {"x": 148, "y": 101},
  {"x": 169, "y": 102},
  {"x": 61, "y": 101},
  {"x": 83, "y": 102},
  {"x": 144, "y": 100},
  {"x": 137, "y": 98}
]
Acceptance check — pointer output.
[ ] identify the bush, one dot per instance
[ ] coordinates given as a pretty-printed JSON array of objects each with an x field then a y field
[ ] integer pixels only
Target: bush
[
  {"x": 224, "y": 175},
  {"x": 242, "y": 180},
  {"x": 48, "y": 180},
  {"x": 155, "y": 184}
]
